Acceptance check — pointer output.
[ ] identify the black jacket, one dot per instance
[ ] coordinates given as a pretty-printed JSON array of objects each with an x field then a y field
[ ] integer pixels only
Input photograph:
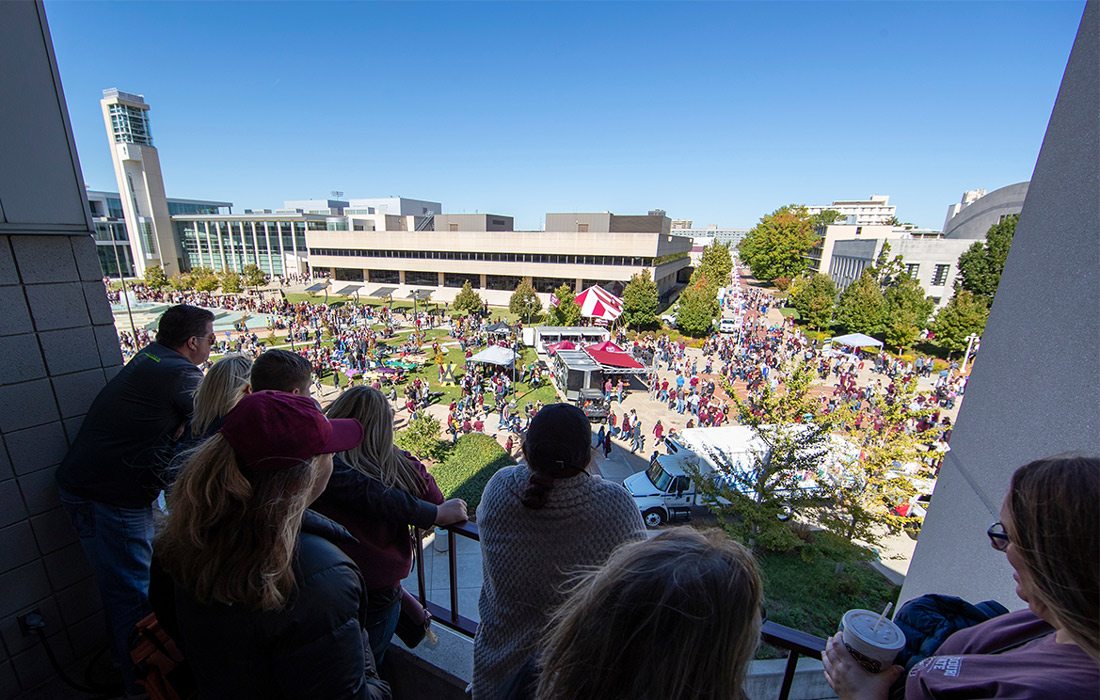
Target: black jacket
[
  {"x": 121, "y": 452},
  {"x": 315, "y": 648}
]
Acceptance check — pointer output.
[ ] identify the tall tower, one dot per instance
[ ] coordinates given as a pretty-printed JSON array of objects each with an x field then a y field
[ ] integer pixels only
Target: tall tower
[{"x": 140, "y": 183}]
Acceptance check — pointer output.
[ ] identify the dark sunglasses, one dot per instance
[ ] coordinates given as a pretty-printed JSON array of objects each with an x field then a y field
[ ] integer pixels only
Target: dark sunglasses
[{"x": 998, "y": 537}]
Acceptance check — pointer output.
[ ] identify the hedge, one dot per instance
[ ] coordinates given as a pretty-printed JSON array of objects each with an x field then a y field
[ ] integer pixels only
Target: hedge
[{"x": 467, "y": 467}]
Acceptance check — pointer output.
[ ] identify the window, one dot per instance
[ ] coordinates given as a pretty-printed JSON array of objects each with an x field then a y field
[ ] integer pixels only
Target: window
[
  {"x": 912, "y": 269},
  {"x": 939, "y": 275},
  {"x": 452, "y": 227},
  {"x": 582, "y": 228}
]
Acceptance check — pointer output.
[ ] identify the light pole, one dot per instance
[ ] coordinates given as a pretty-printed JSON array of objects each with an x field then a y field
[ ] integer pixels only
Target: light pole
[
  {"x": 122, "y": 278},
  {"x": 970, "y": 340}
]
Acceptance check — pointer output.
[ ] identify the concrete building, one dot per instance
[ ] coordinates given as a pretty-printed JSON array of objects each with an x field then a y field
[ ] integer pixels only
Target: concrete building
[
  {"x": 397, "y": 206},
  {"x": 933, "y": 262},
  {"x": 328, "y": 207},
  {"x": 820, "y": 255},
  {"x": 138, "y": 173},
  {"x": 727, "y": 236},
  {"x": 111, "y": 237},
  {"x": 977, "y": 211},
  {"x": 874, "y": 210},
  {"x": 579, "y": 249}
]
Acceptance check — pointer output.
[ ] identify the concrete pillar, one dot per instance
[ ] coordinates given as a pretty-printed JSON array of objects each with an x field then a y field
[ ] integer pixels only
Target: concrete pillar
[{"x": 1032, "y": 391}]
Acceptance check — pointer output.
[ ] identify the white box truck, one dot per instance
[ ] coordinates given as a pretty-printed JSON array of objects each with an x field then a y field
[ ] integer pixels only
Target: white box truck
[{"x": 665, "y": 491}]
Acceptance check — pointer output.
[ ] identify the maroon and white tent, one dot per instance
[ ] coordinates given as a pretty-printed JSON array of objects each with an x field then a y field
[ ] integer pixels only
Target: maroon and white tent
[{"x": 598, "y": 303}]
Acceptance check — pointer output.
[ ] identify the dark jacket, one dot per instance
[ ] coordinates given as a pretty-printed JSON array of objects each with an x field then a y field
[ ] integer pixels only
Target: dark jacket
[
  {"x": 382, "y": 547},
  {"x": 929, "y": 620},
  {"x": 315, "y": 648},
  {"x": 121, "y": 454}
]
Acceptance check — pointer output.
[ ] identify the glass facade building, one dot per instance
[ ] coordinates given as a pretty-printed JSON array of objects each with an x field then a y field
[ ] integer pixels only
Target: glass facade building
[{"x": 276, "y": 243}]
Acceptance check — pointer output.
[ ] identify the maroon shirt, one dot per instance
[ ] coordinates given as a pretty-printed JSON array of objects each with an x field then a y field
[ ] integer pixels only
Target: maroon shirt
[{"x": 974, "y": 663}]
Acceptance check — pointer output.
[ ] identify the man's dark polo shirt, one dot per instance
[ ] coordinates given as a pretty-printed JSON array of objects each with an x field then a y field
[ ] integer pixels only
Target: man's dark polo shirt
[{"x": 126, "y": 440}]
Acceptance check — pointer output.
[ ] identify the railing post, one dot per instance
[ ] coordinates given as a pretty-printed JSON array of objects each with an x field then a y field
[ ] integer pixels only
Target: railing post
[{"x": 788, "y": 674}]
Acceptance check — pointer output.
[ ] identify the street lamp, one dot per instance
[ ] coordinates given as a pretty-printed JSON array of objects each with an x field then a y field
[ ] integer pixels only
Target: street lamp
[{"x": 970, "y": 341}]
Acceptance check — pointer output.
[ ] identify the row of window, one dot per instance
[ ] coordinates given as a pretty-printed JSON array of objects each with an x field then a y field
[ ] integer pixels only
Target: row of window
[{"x": 550, "y": 258}]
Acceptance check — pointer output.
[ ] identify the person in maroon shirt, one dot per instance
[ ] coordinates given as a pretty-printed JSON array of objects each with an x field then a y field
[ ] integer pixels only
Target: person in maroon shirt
[{"x": 1051, "y": 536}]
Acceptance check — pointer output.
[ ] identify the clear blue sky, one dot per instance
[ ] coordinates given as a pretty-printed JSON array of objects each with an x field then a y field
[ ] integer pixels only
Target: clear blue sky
[{"x": 718, "y": 112}]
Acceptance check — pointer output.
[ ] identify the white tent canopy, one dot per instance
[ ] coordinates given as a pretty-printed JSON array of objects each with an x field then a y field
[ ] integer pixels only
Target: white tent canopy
[
  {"x": 855, "y": 340},
  {"x": 495, "y": 355}
]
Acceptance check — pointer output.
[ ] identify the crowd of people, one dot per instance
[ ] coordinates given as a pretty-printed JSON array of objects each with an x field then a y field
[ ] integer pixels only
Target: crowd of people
[{"x": 277, "y": 568}]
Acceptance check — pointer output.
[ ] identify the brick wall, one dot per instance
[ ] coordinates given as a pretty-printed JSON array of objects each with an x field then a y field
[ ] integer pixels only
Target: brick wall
[{"x": 58, "y": 347}]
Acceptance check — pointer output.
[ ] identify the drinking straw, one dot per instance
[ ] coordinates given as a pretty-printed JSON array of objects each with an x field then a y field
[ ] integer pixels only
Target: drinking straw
[{"x": 885, "y": 612}]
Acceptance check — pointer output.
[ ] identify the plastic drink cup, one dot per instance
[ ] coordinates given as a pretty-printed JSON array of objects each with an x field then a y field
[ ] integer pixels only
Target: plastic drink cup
[{"x": 874, "y": 648}]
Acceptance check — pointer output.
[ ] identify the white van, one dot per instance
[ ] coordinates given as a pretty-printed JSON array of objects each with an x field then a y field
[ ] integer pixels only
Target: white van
[{"x": 729, "y": 325}]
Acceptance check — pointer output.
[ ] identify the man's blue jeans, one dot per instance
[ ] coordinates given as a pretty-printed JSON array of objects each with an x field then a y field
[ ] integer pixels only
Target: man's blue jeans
[{"x": 119, "y": 545}]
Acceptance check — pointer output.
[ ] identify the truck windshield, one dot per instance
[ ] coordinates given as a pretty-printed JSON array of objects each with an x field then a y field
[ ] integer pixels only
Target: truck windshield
[{"x": 660, "y": 478}]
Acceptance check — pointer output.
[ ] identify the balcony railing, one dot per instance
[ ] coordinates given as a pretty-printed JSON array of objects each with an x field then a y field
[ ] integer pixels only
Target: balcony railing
[{"x": 796, "y": 643}]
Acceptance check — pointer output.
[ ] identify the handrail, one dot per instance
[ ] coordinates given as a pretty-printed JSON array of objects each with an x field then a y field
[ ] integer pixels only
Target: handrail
[{"x": 796, "y": 642}]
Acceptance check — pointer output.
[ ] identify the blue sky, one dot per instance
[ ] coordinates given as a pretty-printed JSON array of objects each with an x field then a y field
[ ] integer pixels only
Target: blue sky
[{"x": 718, "y": 112}]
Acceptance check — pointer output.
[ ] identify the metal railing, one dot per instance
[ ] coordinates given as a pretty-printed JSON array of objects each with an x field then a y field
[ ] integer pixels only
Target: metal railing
[{"x": 795, "y": 642}]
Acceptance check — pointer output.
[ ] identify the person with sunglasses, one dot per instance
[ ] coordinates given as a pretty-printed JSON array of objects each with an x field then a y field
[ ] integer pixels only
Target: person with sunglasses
[{"x": 1049, "y": 530}]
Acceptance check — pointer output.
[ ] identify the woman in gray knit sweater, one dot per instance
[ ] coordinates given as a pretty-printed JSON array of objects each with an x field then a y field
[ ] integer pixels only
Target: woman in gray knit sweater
[{"x": 540, "y": 522}]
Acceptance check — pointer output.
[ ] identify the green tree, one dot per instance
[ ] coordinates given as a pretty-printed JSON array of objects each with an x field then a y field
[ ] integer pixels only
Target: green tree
[
  {"x": 640, "y": 300},
  {"x": 181, "y": 282},
  {"x": 565, "y": 312},
  {"x": 861, "y": 307},
  {"x": 964, "y": 314},
  {"x": 819, "y": 221},
  {"x": 717, "y": 263},
  {"x": 231, "y": 282},
  {"x": 254, "y": 276},
  {"x": 756, "y": 495},
  {"x": 907, "y": 312},
  {"x": 864, "y": 492},
  {"x": 467, "y": 301},
  {"x": 776, "y": 247},
  {"x": 980, "y": 267},
  {"x": 524, "y": 302},
  {"x": 697, "y": 307},
  {"x": 421, "y": 437},
  {"x": 204, "y": 279},
  {"x": 155, "y": 277},
  {"x": 814, "y": 297}
]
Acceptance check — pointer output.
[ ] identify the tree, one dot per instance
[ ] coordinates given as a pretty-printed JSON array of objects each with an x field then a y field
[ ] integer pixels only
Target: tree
[
  {"x": 863, "y": 496},
  {"x": 907, "y": 312},
  {"x": 155, "y": 277},
  {"x": 717, "y": 263},
  {"x": 467, "y": 301},
  {"x": 697, "y": 307},
  {"x": 231, "y": 282},
  {"x": 640, "y": 300},
  {"x": 565, "y": 311},
  {"x": 254, "y": 276},
  {"x": 821, "y": 220},
  {"x": 963, "y": 315},
  {"x": 861, "y": 307},
  {"x": 762, "y": 490},
  {"x": 524, "y": 302},
  {"x": 421, "y": 438},
  {"x": 980, "y": 267},
  {"x": 814, "y": 297},
  {"x": 776, "y": 247},
  {"x": 181, "y": 282},
  {"x": 204, "y": 279}
]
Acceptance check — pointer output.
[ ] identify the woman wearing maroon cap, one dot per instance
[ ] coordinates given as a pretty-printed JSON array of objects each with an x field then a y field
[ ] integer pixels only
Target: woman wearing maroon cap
[{"x": 266, "y": 604}]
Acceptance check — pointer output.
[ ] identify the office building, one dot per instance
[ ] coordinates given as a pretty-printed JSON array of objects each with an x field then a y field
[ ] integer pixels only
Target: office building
[
  {"x": 874, "y": 210},
  {"x": 724, "y": 235},
  {"x": 934, "y": 262},
  {"x": 112, "y": 239},
  {"x": 977, "y": 211},
  {"x": 578, "y": 249}
]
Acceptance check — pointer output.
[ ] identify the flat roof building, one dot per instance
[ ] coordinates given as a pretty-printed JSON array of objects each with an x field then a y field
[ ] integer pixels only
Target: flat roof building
[{"x": 874, "y": 210}]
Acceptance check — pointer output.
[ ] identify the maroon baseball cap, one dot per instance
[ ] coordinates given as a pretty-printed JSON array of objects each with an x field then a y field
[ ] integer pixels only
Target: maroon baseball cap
[{"x": 272, "y": 430}]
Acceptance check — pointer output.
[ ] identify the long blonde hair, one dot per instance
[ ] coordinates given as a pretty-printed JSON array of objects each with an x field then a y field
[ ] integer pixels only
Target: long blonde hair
[
  {"x": 376, "y": 456},
  {"x": 220, "y": 390},
  {"x": 701, "y": 591},
  {"x": 230, "y": 538}
]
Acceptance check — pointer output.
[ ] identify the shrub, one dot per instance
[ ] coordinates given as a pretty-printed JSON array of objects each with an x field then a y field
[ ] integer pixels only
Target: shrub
[
  {"x": 781, "y": 283},
  {"x": 421, "y": 438},
  {"x": 468, "y": 466}
]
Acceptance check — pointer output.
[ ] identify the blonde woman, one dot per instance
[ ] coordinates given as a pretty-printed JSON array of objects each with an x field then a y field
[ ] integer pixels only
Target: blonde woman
[
  {"x": 696, "y": 595},
  {"x": 224, "y": 385},
  {"x": 265, "y": 603},
  {"x": 385, "y": 547}
]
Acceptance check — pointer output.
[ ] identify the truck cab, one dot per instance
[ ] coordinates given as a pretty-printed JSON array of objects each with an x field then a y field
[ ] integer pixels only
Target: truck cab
[{"x": 664, "y": 492}]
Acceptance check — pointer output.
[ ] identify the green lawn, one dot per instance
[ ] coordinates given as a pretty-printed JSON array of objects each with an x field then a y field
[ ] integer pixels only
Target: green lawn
[{"x": 810, "y": 590}]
